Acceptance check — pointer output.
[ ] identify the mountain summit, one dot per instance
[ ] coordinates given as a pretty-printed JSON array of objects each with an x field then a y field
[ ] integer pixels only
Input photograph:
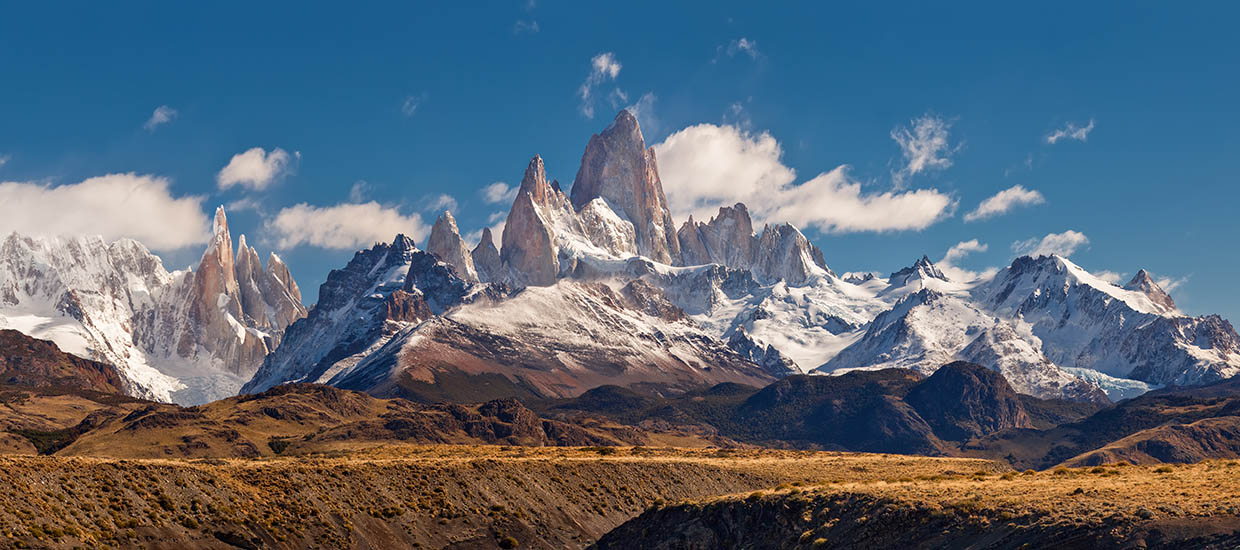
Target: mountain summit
[{"x": 618, "y": 168}]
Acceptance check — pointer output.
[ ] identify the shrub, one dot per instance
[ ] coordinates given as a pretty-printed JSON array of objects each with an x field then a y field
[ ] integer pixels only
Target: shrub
[{"x": 508, "y": 542}]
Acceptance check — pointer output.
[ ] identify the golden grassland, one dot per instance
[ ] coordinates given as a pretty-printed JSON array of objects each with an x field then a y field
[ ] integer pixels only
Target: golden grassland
[
  {"x": 397, "y": 497},
  {"x": 1121, "y": 506}
]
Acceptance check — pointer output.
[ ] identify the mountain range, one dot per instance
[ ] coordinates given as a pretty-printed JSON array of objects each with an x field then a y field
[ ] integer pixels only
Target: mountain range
[{"x": 594, "y": 287}]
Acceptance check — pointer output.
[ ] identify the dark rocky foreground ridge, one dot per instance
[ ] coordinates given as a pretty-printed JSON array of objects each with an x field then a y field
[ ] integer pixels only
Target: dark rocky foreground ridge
[{"x": 1066, "y": 509}]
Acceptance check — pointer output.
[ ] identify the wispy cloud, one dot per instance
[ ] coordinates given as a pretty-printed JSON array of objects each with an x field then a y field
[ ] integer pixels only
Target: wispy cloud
[
  {"x": 162, "y": 115},
  {"x": 742, "y": 45},
  {"x": 523, "y": 26},
  {"x": 256, "y": 169},
  {"x": 707, "y": 166},
  {"x": 1071, "y": 131},
  {"x": 643, "y": 111},
  {"x": 343, "y": 226},
  {"x": 925, "y": 146},
  {"x": 603, "y": 67},
  {"x": 1112, "y": 277},
  {"x": 358, "y": 191},
  {"x": 1004, "y": 201},
  {"x": 1062, "y": 244},
  {"x": 4, "y": 159},
  {"x": 410, "y": 105},
  {"x": 1169, "y": 284}
]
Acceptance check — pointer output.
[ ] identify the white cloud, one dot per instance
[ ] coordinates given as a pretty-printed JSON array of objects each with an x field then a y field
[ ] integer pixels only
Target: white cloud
[
  {"x": 162, "y": 115},
  {"x": 1003, "y": 201},
  {"x": 522, "y": 26},
  {"x": 358, "y": 191},
  {"x": 1062, "y": 244},
  {"x": 1169, "y": 284},
  {"x": 603, "y": 67},
  {"x": 1071, "y": 131},
  {"x": 114, "y": 206},
  {"x": 956, "y": 253},
  {"x": 255, "y": 169},
  {"x": 343, "y": 226},
  {"x": 243, "y": 204},
  {"x": 4, "y": 159},
  {"x": 411, "y": 104},
  {"x": 925, "y": 147},
  {"x": 643, "y": 111},
  {"x": 439, "y": 203},
  {"x": 499, "y": 192},
  {"x": 706, "y": 166},
  {"x": 497, "y": 221},
  {"x": 1112, "y": 277}
]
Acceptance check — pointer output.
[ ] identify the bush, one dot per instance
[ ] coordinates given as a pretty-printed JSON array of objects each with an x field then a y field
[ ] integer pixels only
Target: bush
[{"x": 508, "y": 542}]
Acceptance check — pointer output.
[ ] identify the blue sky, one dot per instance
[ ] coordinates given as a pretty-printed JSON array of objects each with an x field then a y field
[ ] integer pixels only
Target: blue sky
[{"x": 421, "y": 101}]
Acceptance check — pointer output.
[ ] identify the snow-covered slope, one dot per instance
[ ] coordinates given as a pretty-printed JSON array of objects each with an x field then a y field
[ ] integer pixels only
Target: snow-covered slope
[
  {"x": 1085, "y": 322},
  {"x": 553, "y": 341},
  {"x": 359, "y": 308},
  {"x": 186, "y": 336},
  {"x": 1053, "y": 329}
]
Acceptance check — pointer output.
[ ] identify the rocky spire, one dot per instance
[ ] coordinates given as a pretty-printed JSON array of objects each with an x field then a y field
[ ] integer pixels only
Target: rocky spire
[
  {"x": 618, "y": 167},
  {"x": 779, "y": 252},
  {"x": 921, "y": 269},
  {"x": 529, "y": 246},
  {"x": 1143, "y": 283},
  {"x": 446, "y": 244},
  {"x": 486, "y": 258}
]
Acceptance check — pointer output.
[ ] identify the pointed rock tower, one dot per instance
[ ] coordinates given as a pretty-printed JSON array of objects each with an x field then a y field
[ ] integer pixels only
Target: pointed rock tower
[
  {"x": 619, "y": 168},
  {"x": 486, "y": 258},
  {"x": 529, "y": 240},
  {"x": 446, "y": 244}
]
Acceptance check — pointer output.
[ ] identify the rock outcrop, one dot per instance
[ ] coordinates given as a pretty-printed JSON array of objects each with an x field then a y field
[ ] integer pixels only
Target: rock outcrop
[
  {"x": 618, "y": 168},
  {"x": 26, "y": 361},
  {"x": 487, "y": 263},
  {"x": 446, "y": 244},
  {"x": 779, "y": 252},
  {"x": 529, "y": 240}
]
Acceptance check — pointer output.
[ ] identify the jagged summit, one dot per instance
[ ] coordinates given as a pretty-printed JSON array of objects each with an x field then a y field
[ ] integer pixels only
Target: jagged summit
[
  {"x": 486, "y": 258},
  {"x": 921, "y": 269},
  {"x": 446, "y": 244},
  {"x": 188, "y": 336},
  {"x": 1143, "y": 283},
  {"x": 619, "y": 168},
  {"x": 728, "y": 239}
]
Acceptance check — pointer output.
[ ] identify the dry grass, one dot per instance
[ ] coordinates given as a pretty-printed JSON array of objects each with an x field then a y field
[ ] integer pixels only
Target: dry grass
[{"x": 405, "y": 496}]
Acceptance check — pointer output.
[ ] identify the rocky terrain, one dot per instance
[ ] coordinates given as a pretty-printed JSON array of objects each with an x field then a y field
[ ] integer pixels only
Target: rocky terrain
[
  {"x": 26, "y": 361},
  {"x": 1125, "y": 507},
  {"x": 429, "y": 497}
]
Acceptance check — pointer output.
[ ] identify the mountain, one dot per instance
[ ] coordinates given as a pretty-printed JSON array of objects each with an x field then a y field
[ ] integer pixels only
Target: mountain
[
  {"x": 763, "y": 297},
  {"x": 305, "y": 418},
  {"x": 1052, "y": 328},
  {"x": 1179, "y": 424},
  {"x": 26, "y": 361},
  {"x": 187, "y": 336},
  {"x": 890, "y": 410},
  {"x": 360, "y": 307}
]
